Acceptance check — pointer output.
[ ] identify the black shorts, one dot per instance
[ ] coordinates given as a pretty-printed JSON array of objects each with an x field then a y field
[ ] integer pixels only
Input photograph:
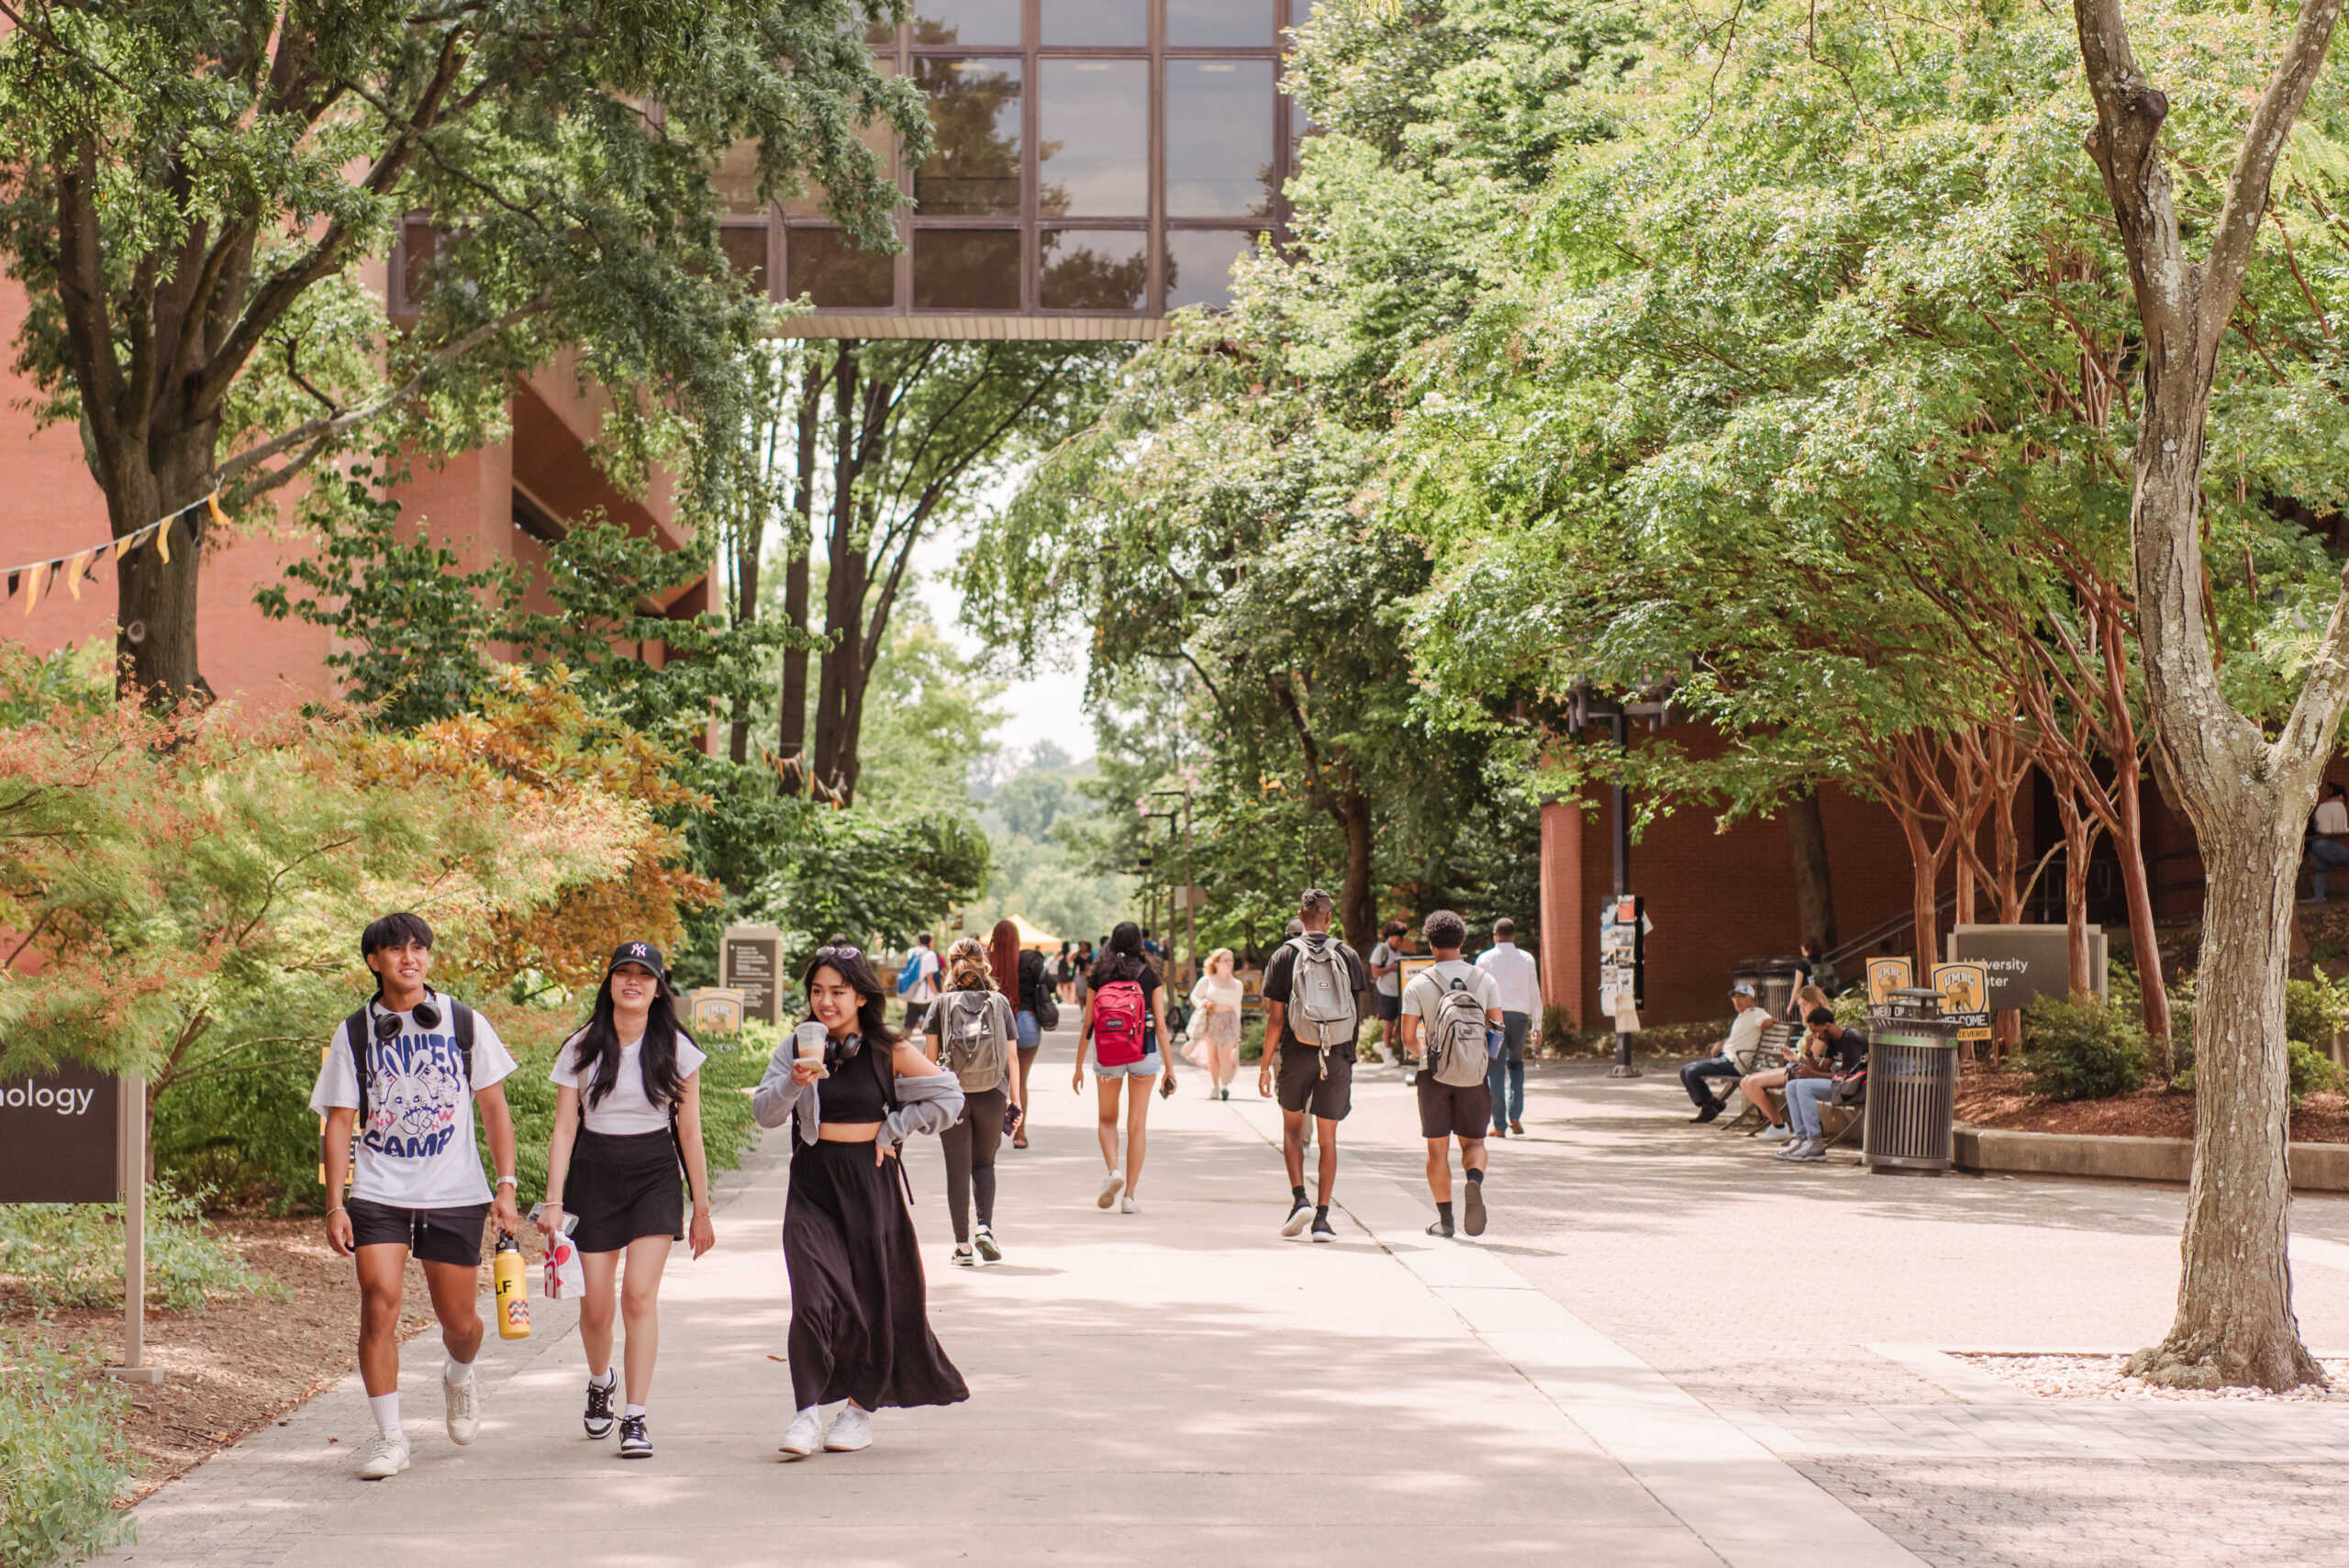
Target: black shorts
[
  {"x": 1389, "y": 1007},
  {"x": 430, "y": 1235},
  {"x": 1300, "y": 1081},
  {"x": 1449, "y": 1109},
  {"x": 624, "y": 1185}
]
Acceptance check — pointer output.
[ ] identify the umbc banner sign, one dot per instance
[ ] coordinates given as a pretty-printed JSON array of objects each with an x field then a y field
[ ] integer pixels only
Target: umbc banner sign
[{"x": 60, "y": 1138}]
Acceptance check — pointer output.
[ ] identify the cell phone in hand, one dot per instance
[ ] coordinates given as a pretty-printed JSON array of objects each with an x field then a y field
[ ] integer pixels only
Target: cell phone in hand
[
  {"x": 1010, "y": 1118},
  {"x": 1166, "y": 1088}
]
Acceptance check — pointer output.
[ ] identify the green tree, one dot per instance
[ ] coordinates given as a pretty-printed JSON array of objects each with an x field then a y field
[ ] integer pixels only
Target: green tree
[{"x": 189, "y": 187}]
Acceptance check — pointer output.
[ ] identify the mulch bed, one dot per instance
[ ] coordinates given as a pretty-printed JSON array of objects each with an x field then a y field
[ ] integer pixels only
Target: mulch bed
[
  {"x": 2004, "y": 1100},
  {"x": 239, "y": 1364},
  {"x": 2104, "y": 1377}
]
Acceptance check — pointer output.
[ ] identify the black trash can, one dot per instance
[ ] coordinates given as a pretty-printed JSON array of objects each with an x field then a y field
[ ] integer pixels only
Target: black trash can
[{"x": 1912, "y": 1087}]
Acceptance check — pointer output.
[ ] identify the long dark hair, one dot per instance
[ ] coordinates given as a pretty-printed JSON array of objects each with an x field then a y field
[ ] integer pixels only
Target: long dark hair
[
  {"x": 872, "y": 1003},
  {"x": 595, "y": 1053},
  {"x": 1121, "y": 960}
]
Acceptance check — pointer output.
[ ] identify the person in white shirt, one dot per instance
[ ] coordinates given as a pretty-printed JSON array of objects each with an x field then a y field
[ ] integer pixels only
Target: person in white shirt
[
  {"x": 626, "y": 1112},
  {"x": 2327, "y": 826},
  {"x": 1745, "y": 1032},
  {"x": 1519, "y": 980},
  {"x": 1386, "y": 956},
  {"x": 927, "y": 967},
  {"x": 1449, "y": 1109},
  {"x": 429, "y": 1063}
]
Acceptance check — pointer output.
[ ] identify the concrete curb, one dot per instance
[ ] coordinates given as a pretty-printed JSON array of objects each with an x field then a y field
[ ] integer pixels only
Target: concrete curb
[{"x": 2315, "y": 1167}]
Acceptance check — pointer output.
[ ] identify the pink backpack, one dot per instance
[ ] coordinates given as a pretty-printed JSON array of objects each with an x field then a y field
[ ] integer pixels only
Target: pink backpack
[{"x": 1117, "y": 1015}]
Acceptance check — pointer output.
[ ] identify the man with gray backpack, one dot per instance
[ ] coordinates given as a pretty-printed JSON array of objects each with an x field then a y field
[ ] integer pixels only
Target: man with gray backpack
[
  {"x": 1455, "y": 1008},
  {"x": 1314, "y": 988}
]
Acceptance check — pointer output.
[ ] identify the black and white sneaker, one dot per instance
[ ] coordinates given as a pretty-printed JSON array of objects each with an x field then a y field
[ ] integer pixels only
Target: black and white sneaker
[
  {"x": 989, "y": 1251},
  {"x": 1322, "y": 1229},
  {"x": 1472, "y": 1211},
  {"x": 1298, "y": 1217},
  {"x": 599, "y": 1419},
  {"x": 635, "y": 1441}
]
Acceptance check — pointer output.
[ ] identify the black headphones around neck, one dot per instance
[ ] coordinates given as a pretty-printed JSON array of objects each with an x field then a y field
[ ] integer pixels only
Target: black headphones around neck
[{"x": 387, "y": 1025}]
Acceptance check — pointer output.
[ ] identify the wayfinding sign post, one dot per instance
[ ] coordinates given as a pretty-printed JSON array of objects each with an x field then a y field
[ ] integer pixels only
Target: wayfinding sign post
[{"x": 74, "y": 1135}]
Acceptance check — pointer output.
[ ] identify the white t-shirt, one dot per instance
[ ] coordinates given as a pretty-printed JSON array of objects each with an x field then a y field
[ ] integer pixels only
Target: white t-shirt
[
  {"x": 2331, "y": 816},
  {"x": 1424, "y": 994},
  {"x": 1518, "y": 977},
  {"x": 1386, "y": 985},
  {"x": 627, "y": 1108},
  {"x": 417, "y": 1150},
  {"x": 925, "y": 986},
  {"x": 1745, "y": 1031}
]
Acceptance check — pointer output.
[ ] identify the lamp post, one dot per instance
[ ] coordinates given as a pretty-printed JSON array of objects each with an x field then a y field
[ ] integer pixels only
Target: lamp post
[
  {"x": 1190, "y": 916},
  {"x": 1654, "y": 704}
]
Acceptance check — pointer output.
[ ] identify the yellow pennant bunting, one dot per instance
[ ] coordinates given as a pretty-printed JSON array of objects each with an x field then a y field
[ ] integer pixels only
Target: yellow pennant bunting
[
  {"x": 74, "y": 570},
  {"x": 32, "y": 585},
  {"x": 213, "y": 501},
  {"x": 163, "y": 541}
]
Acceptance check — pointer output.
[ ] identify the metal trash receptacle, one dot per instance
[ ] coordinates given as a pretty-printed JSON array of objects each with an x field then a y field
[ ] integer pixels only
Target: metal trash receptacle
[
  {"x": 1772, "y": 980},
  {"x": 1912, "y": 1087}
]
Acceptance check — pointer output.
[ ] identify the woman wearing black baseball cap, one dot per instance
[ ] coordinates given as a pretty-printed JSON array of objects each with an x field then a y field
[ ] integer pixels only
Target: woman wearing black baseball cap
[{"x": 628, "y": 1110}]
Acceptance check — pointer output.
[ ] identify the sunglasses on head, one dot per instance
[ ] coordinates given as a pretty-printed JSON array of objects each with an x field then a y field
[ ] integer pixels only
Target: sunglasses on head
[{"x": 824, "y": 955}]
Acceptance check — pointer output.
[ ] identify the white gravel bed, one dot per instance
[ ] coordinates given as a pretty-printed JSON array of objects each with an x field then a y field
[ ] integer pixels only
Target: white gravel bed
[{"x": 2102, "y": 1377}]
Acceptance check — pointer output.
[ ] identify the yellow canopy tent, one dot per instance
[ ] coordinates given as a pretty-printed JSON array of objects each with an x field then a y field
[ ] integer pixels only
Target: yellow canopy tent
[{"x": 1029, "y": 936}]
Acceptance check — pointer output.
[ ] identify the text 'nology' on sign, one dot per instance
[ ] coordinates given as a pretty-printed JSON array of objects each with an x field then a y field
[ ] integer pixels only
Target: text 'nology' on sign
[{"x": 65, "y": 1102}]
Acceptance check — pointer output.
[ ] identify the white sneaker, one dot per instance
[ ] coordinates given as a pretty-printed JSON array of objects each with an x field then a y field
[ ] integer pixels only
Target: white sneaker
[
  {"x": 1797, "y": 1150},
  {"x": 1810, "y": 1153},
  {"x": 1110, "y": 1186},
  {"x": 387, "y": 1457},
  {"x": 852, "y": 1431},
  {"x": 1776, "y": 1132},
  {"x": 806, "y": 1433},
  {"x": 463, "y": 1400},
  {"x": 1129, "y": 1204}
]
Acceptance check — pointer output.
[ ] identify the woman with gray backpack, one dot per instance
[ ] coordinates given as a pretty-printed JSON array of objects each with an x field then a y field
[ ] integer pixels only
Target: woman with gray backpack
[{"x": 971, "y": 1032}]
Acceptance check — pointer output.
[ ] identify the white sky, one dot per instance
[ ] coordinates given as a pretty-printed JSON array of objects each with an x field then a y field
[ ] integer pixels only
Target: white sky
[{"x": 1045, "y": 702}]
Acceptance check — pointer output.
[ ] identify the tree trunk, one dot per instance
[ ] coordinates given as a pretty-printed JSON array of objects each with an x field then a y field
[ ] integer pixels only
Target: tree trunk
[
  {"x": 1357, "y": 898},
  {"x": 843, "y": 584},
  {"x": 1814, "y": 895},
  {"x": 1924, "y": 892},
  {"x": 2144, "y": 942},
  {"x": 791, "y": 738},
  {"x": 746, "y": 610},
  {"x": 2079, "y": 847}
]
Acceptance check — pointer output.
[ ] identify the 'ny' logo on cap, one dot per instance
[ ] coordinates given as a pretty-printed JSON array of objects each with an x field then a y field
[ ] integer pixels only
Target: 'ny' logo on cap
[{"x": 637, "y": 949}]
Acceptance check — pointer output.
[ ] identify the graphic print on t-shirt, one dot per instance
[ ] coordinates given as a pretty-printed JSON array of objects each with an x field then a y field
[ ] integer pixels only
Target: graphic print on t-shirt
[{"x": 416, "y": 1083}]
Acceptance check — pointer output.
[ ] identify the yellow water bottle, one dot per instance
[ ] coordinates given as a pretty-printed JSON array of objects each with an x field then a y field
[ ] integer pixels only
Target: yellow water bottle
[{"x": 513, "y": 1291}]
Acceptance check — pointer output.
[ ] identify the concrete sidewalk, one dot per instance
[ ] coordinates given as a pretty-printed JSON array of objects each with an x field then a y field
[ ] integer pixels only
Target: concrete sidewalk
[{"x": 1145, "y": 1388}]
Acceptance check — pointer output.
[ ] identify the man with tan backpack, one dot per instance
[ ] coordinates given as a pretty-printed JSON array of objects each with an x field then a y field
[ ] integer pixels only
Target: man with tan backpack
[{"x": 1452, "y": 1018}]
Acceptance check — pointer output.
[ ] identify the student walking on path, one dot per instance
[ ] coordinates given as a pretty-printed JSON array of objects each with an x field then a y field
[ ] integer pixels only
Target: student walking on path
[
  {"x": 1027, "y": 979},
  {"x": 627, "y": 1111},
  {"x": 1517, "y": 982},
  {"x": 1386, "y": 956},
  {"x": 1314, "y": 990},
  {"x": 409, "y": 1070},
  {"x": 918, "y": 982},
  {"x": 1124, "y": 1020},
  {"x": 1451, "y": 1018},
  {"x": 972, "y": 1033},
  {"x": 1215, "y": 1025},
  {"x": 852, "y": 1090}
]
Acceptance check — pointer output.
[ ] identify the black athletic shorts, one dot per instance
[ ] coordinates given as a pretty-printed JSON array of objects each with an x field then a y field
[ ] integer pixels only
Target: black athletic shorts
[
  {"x": 1300, "y": 1082},
  {"x": 1448, "y": 1109},
  {"x": 1389, "y": 1007},
  {"x": 431, "y": 1235}
]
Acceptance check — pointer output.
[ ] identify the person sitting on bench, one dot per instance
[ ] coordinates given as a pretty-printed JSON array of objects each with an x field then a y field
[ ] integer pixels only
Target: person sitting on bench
[
  {"x": 1744, "y": 1033},
  {"x": 1835, "y": 1050}
]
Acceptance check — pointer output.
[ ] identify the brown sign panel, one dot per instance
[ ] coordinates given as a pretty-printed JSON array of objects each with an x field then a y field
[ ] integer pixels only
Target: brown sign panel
[
  {"x": 750, "y": 960},
  {"x": 57, "y": 1137}
]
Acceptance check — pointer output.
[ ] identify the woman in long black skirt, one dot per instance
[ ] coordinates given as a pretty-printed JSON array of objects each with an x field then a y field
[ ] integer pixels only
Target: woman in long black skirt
[{"x": 852, "y": 1089}]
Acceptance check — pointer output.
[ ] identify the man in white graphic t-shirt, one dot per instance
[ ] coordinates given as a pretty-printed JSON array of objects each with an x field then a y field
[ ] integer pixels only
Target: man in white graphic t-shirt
[
  {"x": 923, "y": 989},
  {"x": 431, "y": 1064}
]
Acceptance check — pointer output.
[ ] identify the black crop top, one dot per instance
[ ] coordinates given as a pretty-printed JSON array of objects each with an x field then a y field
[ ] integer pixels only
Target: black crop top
[{"x": 854, "y": 1092}]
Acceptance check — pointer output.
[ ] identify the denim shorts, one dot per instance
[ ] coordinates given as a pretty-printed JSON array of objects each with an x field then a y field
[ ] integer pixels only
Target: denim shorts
[
  {"x": 1148, "y": 1067},
  {"x": 1024, "y": 1026}
]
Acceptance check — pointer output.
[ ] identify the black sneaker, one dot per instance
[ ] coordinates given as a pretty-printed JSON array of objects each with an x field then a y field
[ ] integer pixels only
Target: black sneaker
[
  {"x": 1712, "y": 1108},
  {"x": 1322, "y": 1229},
  {"x": 1298, "y": 1216},
  {"x": 599, "y": 1419},
  {"x": 635, "y": 1442},
  {"x": 1472, "y": 1213},
  {"x": 1441, "y": 1226}
]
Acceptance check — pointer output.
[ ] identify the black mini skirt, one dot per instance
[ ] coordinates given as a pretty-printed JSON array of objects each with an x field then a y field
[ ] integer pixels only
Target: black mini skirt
[{"x": 624, "y": 1185}]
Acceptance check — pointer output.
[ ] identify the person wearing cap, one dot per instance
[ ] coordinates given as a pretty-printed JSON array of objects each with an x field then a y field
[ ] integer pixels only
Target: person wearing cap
[
  {"x": 627, "y": 1112},
  {"x": 1745, "y": 1034}
]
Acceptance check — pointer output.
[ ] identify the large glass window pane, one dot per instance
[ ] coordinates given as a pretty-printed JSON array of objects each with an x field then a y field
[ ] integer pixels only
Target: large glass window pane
[
  {"x": 966, "y": 269},
  {"x": 1094, "y": 142},
  {"x": 974, "y": 109},
  {"x": 745, "y": 246},
  {"x": 1220, "y": 139},
  {"x": 824, "y": 265},
  {"x": 878, "y": 135},
  {"x": 1199, "y": 265},
  {"x": 1094, "y": 269},
  {"x": 1219, "y": 23},
  {"x": 970, "y": 23},
  {"x": 1114, "y": 24}
]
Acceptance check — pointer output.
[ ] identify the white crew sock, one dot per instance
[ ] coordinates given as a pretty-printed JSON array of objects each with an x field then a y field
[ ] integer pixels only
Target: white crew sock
[
  {"x": 606, "y": 1378},
  {"x": 387, "y": 1408},
  {"x": 633, "y": 1412},
  {"x": 453, "y": 1371}
]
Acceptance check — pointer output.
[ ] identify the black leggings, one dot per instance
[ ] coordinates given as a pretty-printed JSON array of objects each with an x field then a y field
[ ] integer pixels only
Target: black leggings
[{"x": 970, "y": 1146}]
